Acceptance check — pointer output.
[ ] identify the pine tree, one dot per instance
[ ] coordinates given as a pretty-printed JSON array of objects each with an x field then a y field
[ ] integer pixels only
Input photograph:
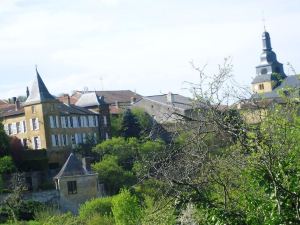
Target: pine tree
[{"x": 130, "y": 125}]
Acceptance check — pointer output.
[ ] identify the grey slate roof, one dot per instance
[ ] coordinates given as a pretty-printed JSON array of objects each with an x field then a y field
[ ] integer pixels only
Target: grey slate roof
[
  {"x": 90, "y": 99},
  {"x": 292, "y": 81},
  {"x": 180, "y": 102},
  {"x": 72, "y": 167},
  {"x": 39, "y": 92},
  {"x": 262, "y": 78},
  {"x": 111, "y": 97},
  {"x": 10, "y": 110}
]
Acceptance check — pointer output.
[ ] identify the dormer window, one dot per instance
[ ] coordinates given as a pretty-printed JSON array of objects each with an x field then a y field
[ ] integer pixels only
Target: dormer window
[{"x": 261, "y": 87}]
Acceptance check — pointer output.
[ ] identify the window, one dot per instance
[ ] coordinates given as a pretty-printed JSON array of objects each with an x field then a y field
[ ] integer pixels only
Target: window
[
  {"x": 67, "y": 119},
  {"x": 261, "y": 87},
  {"x": 18, "y": 125},
  {"x": 34, "y": 124},
  {"x": 73, "y": 139},
  {"x": 79, "y": 121},
  {"x": 24, "y": 143},
  {"x": 72, "y": 187},
  {"x": 14, "y": 128},
  {"x": 36, "y": 143},
  {"x": 55, "y": 140},
  {"x": 33, "y": 109},
  {"x": 64, "y": 139},
  {"x": 9, "y": 129}
]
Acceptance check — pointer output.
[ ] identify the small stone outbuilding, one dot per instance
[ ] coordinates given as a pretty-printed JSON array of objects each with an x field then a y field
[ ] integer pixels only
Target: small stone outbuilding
[{"x": 76, "y": 184}]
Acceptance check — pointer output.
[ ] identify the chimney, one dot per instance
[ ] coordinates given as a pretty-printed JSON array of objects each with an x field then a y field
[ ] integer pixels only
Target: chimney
[
  {"x": 27, "y": 92},
  {"x": 117, "y": 104},
  {"x": 68, "y": 100},
  {"x": 17, "y": 104},
  {"x": 170, "y": 97},
  {"x": 14, "y": 100},
  {"x": 132, "y": 100},
  {"x": 86, "y": 163}
]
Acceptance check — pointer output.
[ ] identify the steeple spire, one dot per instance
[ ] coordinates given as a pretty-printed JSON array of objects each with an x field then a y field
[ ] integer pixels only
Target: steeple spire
[
  {"x": 266, "y": 40},
  {"x": 39, "y": 92}
]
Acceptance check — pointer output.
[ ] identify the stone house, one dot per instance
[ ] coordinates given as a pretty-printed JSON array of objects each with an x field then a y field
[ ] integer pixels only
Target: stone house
[
  {"x": 75, "y": 184},
  {"x": 44, "y": 123}
]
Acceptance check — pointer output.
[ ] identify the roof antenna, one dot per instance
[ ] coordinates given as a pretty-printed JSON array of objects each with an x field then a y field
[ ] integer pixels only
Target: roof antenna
[{"x": 264, "y": 20}]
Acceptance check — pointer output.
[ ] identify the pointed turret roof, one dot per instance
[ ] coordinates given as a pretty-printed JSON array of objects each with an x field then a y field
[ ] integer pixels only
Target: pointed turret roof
[
  {"x": 72, "y": 167},
  {"x": 39, "y": 92}
]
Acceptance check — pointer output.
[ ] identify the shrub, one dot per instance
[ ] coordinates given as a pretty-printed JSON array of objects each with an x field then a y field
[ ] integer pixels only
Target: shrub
[{"x": 99, "y": 206}]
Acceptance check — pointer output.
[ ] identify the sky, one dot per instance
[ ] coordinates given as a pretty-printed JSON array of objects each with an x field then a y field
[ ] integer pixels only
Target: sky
[{"x": 141, "y": 45}]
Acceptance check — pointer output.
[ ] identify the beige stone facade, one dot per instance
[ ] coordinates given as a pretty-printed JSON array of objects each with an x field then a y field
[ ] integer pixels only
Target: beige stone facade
[{"x": 43, "y": 122}]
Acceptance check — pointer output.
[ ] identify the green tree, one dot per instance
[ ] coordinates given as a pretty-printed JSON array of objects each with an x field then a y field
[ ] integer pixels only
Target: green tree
[
  {"x": 144, "y": 119},
  {"x": 126, "y": 209},
  {"x": 126, "y": 150},
  {"x": 4, "y": 141},
  {"x": 130, "y": 125},
  {"x": 112, "y": 175}
]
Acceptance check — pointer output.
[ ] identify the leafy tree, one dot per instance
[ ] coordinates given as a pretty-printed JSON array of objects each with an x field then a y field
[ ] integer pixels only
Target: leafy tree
[
  {"x": 126, "y": 209},
  {"x": 126, "y": 150},
  {"x": 116, "y": 125},
  {"x": 112, "y": 175},
  {"x": 4, "y": 141},
  {"x": 6, "y": 165},
  {"x": 145, "y": 121},
  {"x": 130, "y": 125}
]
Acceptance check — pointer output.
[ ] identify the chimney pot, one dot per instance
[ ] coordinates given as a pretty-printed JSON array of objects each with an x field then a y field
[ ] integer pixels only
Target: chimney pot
[
  {"x": 170, "y": 97},
  {"x": 17, "y": 104}
]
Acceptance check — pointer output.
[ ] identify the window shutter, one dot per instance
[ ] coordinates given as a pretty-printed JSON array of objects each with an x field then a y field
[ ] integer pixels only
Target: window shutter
[
  {"x": 6, "y": 129},
  {"x": 69, "y": 121},
  {"x": 67, "y": 141},
  {"x": 59, "y": 140},
  {"x": 31, "y": 126},
  {"x": 53, "y": 140},
  {"x": 37, "y": 123},
  {"x": 75, "y": 121},
  {"x": 32, "y": 143},
  {"x": 39, "y": 142},
  {"x": 22, "y": 127},
  {"x": 76, "y": 138},
  {"x": 96, "y": 120},
  {"x": 81, "y": 121},
  {"x": 57, "y": 121},
  {"x": 84, "y": 137},
  {"x": 51, "y": 122},
  {"x": 62, "y": 121}
]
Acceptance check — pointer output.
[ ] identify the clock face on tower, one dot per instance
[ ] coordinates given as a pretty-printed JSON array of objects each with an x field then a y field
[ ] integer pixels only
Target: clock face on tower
[{"x": 264, "y": 71}]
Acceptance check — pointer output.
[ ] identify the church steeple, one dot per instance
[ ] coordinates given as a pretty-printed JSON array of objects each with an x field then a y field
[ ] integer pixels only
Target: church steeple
[
  {"x": 269, "y": 72},
  {"x": 266, "y": 41}
]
